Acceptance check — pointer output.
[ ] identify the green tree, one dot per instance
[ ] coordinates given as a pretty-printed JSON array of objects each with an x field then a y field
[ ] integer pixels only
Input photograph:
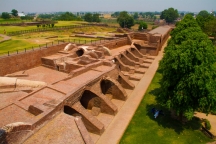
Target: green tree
[
  {"x": 203, "y": 17},
  {"x": 125, "y": 20},
  {"x": 88, "y": 17},
  {"x": 27, "y": 17},
  {"x": 115, "y": 14},
  {"x": 142, "y": 25},
  {"x": 189, "y": 74},
  {"x": 210, "y": 28},
  {"x": 68, "y": 16},
  {"x": 46, "y": 16},
  {"x": 170, "y": 15},
  {"x": 135, "y": 16},
  {"x": 14, "y": 12},
  {"x": 182, "y": 14},
  {"x": 203, "y": 13},
  {"x": 96, "y": 18},
  {"x": 191, "y": 13},
  {"x": 5, "y": 15}
]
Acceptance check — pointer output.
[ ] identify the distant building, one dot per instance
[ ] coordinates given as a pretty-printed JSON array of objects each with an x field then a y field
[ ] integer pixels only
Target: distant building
[{"x": 21, "y": 14}]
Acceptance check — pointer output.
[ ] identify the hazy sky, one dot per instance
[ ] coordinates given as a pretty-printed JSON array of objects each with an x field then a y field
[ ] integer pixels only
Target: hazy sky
[{"x": 105, "y": 5}]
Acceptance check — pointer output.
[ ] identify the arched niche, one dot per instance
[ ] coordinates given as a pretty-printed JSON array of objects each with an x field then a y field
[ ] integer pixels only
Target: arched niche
[{"x": 111, "y": 90}]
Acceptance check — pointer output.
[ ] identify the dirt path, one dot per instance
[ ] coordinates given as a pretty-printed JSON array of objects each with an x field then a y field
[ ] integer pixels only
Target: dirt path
[
  {"x": 211, "y": 118},
  {"x": 5, "y": 38}
]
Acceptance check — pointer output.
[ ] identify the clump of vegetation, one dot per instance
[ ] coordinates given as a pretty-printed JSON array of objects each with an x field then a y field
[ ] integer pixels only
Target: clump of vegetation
[
  {"x": 207, "y": 124},
  {"x": 207, "y": 22},
  {"x": 142, "y": 25},
  {"x": 170, "y": 15},
  {"x": 203, "y": 17},
  {"x": 61, "y": 16},
  {"x": 125, "y": 20},
  {"x": 92, "y": 17},
  {"x": 189, "y": 78},
  {"x": 5, "y": 15},
  {"x": 68, "y": 16}
]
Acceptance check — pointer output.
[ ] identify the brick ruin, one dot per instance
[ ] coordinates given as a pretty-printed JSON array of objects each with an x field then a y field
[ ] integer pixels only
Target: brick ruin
[{"x": 70, "y": 93}]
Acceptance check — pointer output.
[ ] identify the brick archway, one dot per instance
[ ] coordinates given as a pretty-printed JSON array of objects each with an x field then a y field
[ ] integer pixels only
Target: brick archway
[{"x": 112, "y": 89}]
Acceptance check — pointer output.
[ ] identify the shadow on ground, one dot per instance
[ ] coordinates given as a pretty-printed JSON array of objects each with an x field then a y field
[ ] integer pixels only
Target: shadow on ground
[{"x": 166, "y": 120}]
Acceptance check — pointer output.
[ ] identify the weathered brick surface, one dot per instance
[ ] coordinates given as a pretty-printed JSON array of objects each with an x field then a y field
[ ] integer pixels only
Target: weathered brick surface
[
  {"x": 83, "y": 131},
  {"x": 94, "y": 90},
  {"x": 26, "y": 60},
  {"x": 15, "y": 132},
  {"x": 141, "y": 36}
]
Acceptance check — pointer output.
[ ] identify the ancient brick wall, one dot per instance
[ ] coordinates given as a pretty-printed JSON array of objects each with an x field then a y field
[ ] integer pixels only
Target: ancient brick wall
[
  {"x": 117, "y": 43},
  {"x": 141, "y": 36},
  {"x": 23, "y": 61},
  {"x": 155, "y": 38},
  {"x": 149, "y": 50}
]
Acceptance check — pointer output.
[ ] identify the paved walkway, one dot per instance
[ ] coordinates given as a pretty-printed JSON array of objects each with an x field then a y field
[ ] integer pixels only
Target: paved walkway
[
  {"x": 117, "y": 127},
  {"x": 5, "y": 38}
]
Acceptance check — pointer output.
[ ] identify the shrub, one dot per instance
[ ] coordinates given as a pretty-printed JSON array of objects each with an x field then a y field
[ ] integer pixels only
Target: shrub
[
  {"x": 142, "y": 26},
  {"x": 207, "y": 124},
  {"x": 213, "y": 112}
]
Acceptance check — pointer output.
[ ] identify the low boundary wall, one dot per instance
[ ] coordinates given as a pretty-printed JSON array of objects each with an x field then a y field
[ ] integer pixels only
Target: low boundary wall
[{"x": 23, "y": 61}]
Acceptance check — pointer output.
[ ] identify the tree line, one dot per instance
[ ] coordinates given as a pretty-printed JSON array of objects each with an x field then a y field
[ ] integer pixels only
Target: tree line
[
  {"x": 207, "y": 22},
  {"x": 14, "y": 14}
]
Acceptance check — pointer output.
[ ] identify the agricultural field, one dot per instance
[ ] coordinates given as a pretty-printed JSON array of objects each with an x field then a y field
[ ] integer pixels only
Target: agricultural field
[{"x": 19, "y": 28}]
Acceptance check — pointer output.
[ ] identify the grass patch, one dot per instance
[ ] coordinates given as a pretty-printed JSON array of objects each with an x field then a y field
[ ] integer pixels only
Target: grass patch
[
  {"x": 15, "y": 28},
  {"x": 67, "y": 23},
  {"x": 144, "y": 128},
  {"x": 35, "y": 39},
  {"x": 110, "y": 21},
  {"x": 10, "y": 20},
  {"x": 19, "y": 28},
  {"x": 14, "y": 45},
  {"x": 1, "y": 38},
  {"x": 60, "y": 23}
]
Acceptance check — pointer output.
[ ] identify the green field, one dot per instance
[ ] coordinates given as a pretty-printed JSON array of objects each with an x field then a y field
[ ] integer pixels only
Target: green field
[
  {"x": 144, "y": 128},
  {"x": 13, "y": 45},
  {"x": 109, "y": 20},
  {"x": 19, "y": 28},
  {"x": 35, "y": 39},
  {"x": 67, "y": 23},
  {"x": 1, "y": 38},
  {"x": 10, "y": 20}
]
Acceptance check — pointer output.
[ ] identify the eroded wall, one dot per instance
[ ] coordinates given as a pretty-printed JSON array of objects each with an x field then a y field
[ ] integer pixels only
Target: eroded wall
[{"x": 23, "y": 61}]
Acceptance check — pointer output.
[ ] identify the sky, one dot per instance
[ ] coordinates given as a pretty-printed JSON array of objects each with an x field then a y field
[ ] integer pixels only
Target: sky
[{"x": 105, "y": 5}]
